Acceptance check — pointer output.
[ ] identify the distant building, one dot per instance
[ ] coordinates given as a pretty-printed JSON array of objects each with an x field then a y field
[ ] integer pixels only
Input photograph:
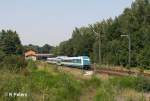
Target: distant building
[{"x": 30, "y": 55}]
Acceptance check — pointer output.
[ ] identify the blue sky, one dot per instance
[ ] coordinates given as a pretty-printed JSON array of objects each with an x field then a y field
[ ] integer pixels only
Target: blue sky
[{"x": 52, "y": 21}]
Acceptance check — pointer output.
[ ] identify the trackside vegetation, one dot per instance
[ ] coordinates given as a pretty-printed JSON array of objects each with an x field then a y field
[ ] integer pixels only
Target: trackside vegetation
[{"x": 50, "y": 84}]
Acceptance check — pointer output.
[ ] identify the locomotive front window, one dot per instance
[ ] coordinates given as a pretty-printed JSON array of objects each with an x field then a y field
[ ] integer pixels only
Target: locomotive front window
[{"x": 86, "y": 62}]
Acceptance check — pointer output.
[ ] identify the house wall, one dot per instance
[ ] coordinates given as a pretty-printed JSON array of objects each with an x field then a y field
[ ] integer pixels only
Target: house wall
[{"x": 31, "y": 58}]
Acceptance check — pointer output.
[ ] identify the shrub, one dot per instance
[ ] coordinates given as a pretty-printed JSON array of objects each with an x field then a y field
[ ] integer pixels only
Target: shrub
[
  {"x": 14, "y": 63},
  {"x": 123, "y": 82},
  {"x": 69, "y": 88},
  {"x": 94, "y": 81},
  {"x": 139, "y": 83},
  {"x": 14, "y": 85},
  {"x": 2, "y": 55},
  {"x": 31, "y": 65},
  {"x": 142, "y": 84},
  {"x": 55, "y": 87},
  {"x": 106, "y": 92}
]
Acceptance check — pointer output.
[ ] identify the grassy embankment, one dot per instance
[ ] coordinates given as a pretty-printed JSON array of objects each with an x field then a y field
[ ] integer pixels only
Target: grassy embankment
[{"x": 50, "y": 84}]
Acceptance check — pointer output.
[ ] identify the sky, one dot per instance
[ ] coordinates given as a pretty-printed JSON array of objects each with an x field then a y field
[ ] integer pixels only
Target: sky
[{"x": 52, "y": 21}]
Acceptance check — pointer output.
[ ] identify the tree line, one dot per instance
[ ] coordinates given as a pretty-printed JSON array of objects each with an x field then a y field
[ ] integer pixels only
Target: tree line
[
  {"x": 39, "y": 49},
  {"x": 134, "y": 21}
]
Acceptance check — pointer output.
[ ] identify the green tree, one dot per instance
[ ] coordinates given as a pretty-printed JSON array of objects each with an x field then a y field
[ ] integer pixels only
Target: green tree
[
  {"x": 46, "y": 48},
  {"x": 10, "y": 42}
]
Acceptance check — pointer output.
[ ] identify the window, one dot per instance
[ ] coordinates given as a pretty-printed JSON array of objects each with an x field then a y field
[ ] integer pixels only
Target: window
[{"x": 76, "y": 60}]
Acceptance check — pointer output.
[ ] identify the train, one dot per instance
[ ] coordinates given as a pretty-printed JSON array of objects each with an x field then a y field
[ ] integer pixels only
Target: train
[{"x": 78, "y": 62}]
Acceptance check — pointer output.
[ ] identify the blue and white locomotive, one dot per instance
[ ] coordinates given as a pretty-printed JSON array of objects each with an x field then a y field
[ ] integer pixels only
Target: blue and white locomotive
[{"x": 80, "y": 61}]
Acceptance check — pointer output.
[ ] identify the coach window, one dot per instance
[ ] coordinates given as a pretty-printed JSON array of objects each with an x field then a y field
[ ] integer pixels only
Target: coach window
[{"x": 77, "y": 60}]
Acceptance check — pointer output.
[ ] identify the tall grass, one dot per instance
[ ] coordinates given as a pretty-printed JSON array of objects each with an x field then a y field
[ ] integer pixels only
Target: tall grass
[
  {"x": 123, "y": 88},
  {"x": 41, "y": 85},
  {"x": 139, "y": 83},
  {"x": 52, "y": 85},
  {"x": 105, "y": 92}
]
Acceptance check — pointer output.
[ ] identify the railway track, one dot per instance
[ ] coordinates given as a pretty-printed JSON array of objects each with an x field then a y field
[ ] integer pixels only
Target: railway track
[
  {"x": 115, "y": 72},
  {"x": 121, "y": 72}
]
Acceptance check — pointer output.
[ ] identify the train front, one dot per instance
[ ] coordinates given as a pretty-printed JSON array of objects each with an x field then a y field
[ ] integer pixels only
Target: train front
[{"x": 86, "y": 62}]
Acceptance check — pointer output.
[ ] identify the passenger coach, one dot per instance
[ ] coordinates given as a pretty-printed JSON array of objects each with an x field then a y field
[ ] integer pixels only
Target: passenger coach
[{"x": 80, "y": 61}]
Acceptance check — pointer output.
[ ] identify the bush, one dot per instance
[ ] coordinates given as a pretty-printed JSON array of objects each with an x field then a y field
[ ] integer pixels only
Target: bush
[
  {"x": 69, "y": 88},
  {"x": 123, "y": 82},
  {"x": 2, "y": 55},
  {"x": 60, "y": 87},
  {"x": 139, "y": 83},
  {"x": 106, "y": 92},
  {"x": 94, "y": 81},
  {"x": 14, "y": 63},
  {"x": 31, "y": 65},
  {"x": 142, "y": 84}
]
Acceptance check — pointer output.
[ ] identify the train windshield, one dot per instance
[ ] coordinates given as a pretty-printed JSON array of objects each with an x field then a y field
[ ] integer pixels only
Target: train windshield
[{"x": 86, "y": 62}]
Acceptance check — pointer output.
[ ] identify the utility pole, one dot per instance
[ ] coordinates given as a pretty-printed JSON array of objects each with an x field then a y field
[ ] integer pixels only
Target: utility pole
[
  {"x": 129, "y": 50},
  {"x": 99, "y": 45},
  {"x": 129, "y": 47}
]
